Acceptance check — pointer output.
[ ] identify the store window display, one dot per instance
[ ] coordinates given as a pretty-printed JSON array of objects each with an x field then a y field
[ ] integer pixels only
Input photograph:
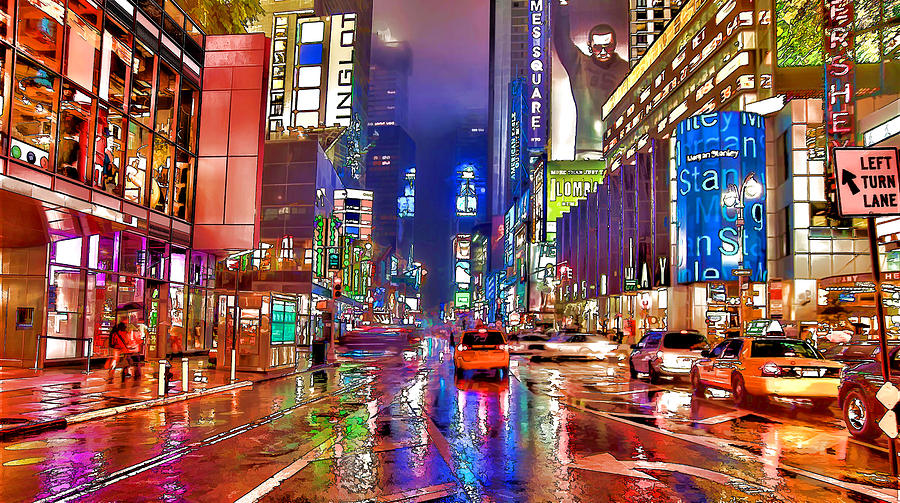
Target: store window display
[
  {"x": 160, "y": 183},
  {"x": 76, "y": 116},
  {"x": 137, "y": 157},
  {"x": 33, "y": 119},
  {"x": 109, "y": 150}
]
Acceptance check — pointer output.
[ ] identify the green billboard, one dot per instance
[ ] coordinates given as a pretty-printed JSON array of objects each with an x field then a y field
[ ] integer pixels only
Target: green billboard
[{"x": 569, "y": 182}]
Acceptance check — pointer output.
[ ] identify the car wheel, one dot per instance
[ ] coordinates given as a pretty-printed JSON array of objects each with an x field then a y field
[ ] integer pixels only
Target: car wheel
[
  {"x": 459, "y": 373},
  {"x": 699, "y": 387},
  {"x": 631, "y": 370},
  {"x": 858, "y": 416},
  {"x": 739, "y": 390},
  {"x": 654, "y": 375}
]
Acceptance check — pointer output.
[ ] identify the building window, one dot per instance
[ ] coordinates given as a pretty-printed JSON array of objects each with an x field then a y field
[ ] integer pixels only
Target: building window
[
  {"x": 40, "y": 33},
  {"x": 182, "y": 185},
  {"x": 83, "y": 52},
  {"x": 115, "y": 70},
  {"x": 34, "y": 115},
  {"x": 109, "y": 149},
  {"x": 142, "y": 86},
  {"x": 166, "y": 91},
  {"x": 76, "y": 114},
  {"x": 136, "y": 160},
  {"x": 186, "y": 136},
  {"x": 163, "y": 155}
]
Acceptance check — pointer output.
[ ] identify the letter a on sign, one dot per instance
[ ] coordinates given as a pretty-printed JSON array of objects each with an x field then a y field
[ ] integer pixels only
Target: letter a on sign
[{"x": 868, "y": 181}]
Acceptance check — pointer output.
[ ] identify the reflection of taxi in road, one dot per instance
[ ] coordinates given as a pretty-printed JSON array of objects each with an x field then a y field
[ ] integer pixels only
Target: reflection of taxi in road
[
  {"x": 768, "y": 366},
  {"x": 482, "y": 349}
]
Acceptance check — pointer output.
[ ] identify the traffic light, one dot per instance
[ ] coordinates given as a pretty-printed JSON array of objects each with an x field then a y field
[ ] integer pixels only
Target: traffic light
[{"x": 336, "y": 288}]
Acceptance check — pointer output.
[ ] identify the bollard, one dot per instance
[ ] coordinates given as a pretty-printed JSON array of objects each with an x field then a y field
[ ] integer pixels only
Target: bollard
[
  {"x": 233, "y": 364},
  {"x": 184, "y": 375},
  {"x": 161, "y": 390}
]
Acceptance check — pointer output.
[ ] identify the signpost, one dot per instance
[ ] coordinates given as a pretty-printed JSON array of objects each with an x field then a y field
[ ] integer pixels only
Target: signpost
[{"x": 868, "y": 185}]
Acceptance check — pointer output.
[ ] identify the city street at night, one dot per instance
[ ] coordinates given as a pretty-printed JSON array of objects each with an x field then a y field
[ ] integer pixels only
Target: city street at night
[
  {"x": 401, "y": 427},
  {"x": 473, "y": 251}
]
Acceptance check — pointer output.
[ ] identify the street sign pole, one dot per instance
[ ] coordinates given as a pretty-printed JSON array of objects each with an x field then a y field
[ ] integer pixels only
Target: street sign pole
[
  {"x": 882, "y": 333},
  {"x": 868, "y": 186}
]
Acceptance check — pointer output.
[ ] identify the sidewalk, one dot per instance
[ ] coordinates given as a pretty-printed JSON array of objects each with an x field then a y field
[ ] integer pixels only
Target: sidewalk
[{"x": 34, "y": 400}]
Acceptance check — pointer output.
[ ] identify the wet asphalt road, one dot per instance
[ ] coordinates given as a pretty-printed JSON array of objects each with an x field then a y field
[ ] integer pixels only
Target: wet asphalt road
[{"x": 402, "y": 428}]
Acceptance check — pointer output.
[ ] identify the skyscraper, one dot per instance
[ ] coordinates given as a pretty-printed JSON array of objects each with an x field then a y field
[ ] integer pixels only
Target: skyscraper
[
  {"x": 508, "y": 60},
  {"x": 647, "y": 20},
  {"x": 392, "y": 154},
  {"x": 388, "y": 82}
]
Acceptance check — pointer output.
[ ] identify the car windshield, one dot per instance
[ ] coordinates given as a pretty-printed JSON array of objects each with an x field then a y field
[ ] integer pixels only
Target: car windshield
[
  {"x": 783, "y": 349},
  {"x": 684, "y": 341},
  {"x": 491, "y": 338},
  {"x": 532, "y": 338}
]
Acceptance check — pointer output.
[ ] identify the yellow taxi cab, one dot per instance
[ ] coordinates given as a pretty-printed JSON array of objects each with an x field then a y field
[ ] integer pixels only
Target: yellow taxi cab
[
  {"x": 752, "y": 368},
  {"x": 482, "y": 349}
]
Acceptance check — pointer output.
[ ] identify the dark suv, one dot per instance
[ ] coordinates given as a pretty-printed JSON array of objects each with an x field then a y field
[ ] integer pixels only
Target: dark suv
[{"x": 856, "y": 397}]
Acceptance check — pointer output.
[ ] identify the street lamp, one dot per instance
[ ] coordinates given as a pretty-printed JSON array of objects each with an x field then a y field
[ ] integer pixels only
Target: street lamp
[{"x": 734, "y": 197}]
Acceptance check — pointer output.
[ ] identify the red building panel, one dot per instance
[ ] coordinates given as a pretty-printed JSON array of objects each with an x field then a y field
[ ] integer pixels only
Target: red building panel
[{"x": 232, "y": 133}]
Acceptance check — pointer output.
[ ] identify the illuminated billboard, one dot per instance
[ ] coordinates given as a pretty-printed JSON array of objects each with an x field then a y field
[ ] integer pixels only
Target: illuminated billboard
[
  {"x": 569, "y": 182},
  {"x": 466, "y": 199},
  {"x": 406, "y": 202},
  {"x": 339, "y": 95},
  {"x": 462, "y": 300},
  {"x": 721, "y": 168},
  {"x": 312, "y": 57},
  {"x": 590, "y": 59}
]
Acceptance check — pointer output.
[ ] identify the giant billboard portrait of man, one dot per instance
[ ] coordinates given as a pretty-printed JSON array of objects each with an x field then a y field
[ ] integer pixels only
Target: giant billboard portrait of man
[{"x": 587, "y": 61}]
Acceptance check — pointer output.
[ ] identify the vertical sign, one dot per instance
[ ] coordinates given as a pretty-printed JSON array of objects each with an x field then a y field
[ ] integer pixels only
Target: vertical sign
[
  {"x": 839, "y": 72},
  {"x": 536, "y": 99},
  {"x": 516, "y": 109},
  {"x": 339, "y": 97}
]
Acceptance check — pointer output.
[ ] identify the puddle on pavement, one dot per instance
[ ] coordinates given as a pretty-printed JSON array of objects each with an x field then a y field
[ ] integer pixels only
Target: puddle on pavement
[
  {"x": 41, "y": 444},
  {"x": 24, "y": 461}
]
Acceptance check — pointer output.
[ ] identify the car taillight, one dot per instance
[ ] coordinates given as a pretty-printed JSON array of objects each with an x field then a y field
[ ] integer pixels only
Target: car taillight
[
  {"x": 462, "y": 347},
  {"x": 770, "y": 369}
]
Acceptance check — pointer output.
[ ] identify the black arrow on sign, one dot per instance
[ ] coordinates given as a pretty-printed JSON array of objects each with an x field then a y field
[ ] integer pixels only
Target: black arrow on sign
[{"x": 847, "y": 179}]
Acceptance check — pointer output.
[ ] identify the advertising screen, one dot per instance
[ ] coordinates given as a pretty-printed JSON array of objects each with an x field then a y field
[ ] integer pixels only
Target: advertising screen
[
  {"x": 590, "y": 59},
  {"x": 569, "y": 182},
  {"x": 462, "y": 300},
  {"x": 720, "y": 162}
]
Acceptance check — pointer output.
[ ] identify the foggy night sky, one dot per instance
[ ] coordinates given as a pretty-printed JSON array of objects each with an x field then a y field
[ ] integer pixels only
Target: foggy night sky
[{"x": 449, "y": 42}]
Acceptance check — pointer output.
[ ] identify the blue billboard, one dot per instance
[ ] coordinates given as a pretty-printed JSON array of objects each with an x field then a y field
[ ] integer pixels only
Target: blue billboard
[{"x": 720, "y": 213}]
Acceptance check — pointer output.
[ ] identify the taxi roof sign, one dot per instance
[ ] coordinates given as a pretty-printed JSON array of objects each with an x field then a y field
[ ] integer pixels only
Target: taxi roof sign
[{"x": 868, "y": 181}]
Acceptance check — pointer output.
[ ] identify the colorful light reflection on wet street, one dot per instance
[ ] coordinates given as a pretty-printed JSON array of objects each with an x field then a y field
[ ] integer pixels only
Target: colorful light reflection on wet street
[{"x": 401, "y": 427}]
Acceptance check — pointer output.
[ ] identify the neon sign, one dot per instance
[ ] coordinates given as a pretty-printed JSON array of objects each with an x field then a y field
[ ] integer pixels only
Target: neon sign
[{"x": 839, "y": 71}]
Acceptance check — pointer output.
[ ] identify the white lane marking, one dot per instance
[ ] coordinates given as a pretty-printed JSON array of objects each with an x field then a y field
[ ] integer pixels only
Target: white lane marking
[
  {"x": 722, "y": 418},
  {"x": 138, "y": 468},
  {"x": 875, "y": 492},
  {"x": 314, "y": 451},
  {"x": 421, "y": 494}
]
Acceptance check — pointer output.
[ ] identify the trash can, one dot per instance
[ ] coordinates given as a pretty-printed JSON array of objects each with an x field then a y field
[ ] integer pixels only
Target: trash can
[{"x": 318, "y": 352}]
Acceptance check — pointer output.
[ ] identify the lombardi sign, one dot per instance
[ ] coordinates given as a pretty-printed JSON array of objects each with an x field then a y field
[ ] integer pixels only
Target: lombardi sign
[{"x": 714, "y": 153}]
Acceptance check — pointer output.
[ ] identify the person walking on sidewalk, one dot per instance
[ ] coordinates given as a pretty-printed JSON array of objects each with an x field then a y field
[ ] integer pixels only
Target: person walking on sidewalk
[{"x": 121, "y": 341}]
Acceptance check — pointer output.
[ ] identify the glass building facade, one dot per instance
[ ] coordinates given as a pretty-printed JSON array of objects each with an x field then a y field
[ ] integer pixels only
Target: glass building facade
[{"x": 99, "y": 111}]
